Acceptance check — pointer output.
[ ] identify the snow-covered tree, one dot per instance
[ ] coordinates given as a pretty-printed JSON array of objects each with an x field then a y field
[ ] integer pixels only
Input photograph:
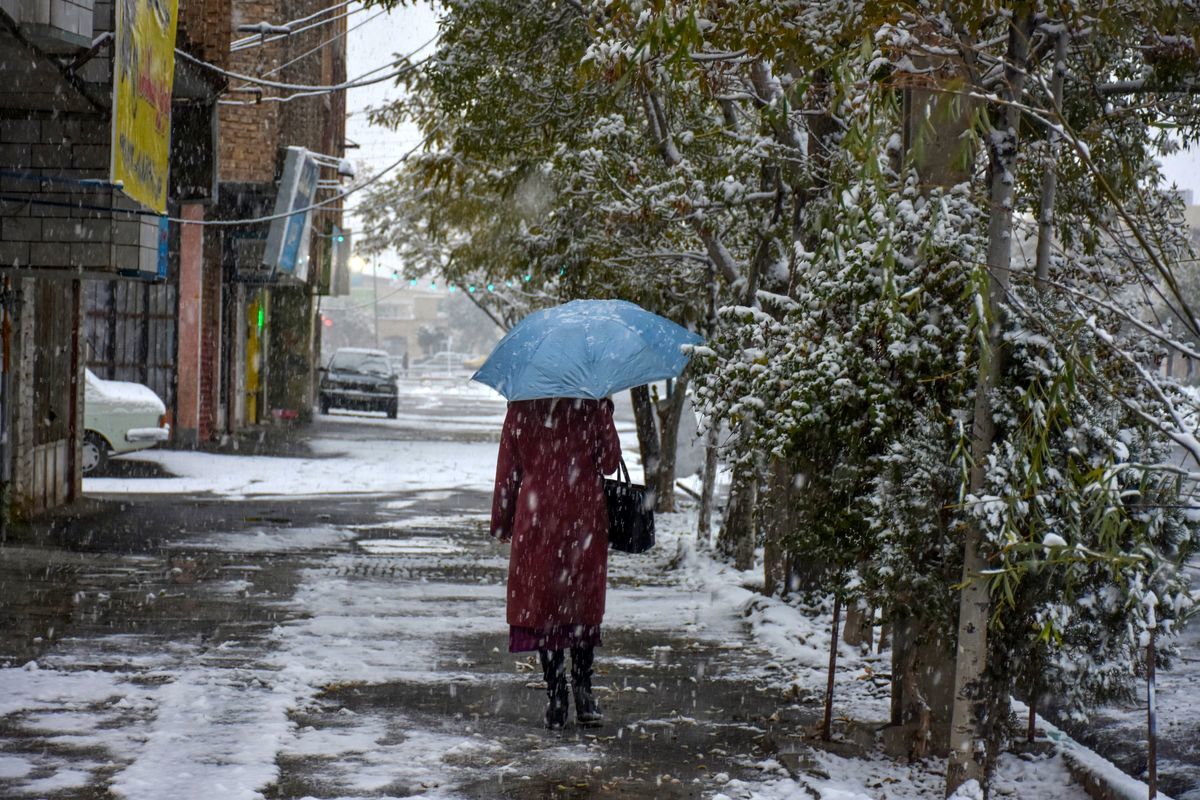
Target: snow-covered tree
[{"x": 937, "y": 240}]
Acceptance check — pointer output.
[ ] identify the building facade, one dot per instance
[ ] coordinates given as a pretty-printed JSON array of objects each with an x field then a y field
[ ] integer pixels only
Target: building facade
[
  {"x": 90, "y": 278},
  {"x": 265, "y": 366},
  {"x": 65, "y": 229}
]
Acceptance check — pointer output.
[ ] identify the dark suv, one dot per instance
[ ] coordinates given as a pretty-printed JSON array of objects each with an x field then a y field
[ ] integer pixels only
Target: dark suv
[{"x": 359, "y": 379}]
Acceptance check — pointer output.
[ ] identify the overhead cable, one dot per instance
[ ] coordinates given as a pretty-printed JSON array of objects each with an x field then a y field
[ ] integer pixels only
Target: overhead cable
[
  {"x": 321, "y": 204},
  {"x": 272, "y": 38},
  {"x": 318, "y": 91},
  {"x": 270, "y": 32},
  {"x": 137, "y": 212},
  {"x": 323, "y": 44},
  {"x": 300, "y": 20},
  {"x": 351, "y": 84}
]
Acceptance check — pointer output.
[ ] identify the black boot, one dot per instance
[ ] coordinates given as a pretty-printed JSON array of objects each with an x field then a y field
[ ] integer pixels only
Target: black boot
[
  {"x": 587, "y": 710},
  {"x": 556, "y": 688}
]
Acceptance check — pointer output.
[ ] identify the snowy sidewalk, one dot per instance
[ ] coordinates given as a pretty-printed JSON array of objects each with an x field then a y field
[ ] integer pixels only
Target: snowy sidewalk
[
  {"x": 357, "y": 660},
  {"x": 334, "y": 628},
  {"x": 363, "y": 657}
]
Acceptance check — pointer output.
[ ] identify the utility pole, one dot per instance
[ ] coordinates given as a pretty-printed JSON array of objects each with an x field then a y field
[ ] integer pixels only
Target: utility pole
[{"x": 375, "y": 302}]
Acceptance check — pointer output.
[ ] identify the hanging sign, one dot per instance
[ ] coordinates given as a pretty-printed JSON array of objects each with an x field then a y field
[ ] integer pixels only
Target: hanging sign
[
  {"x": 143, "y": 75},
  {"x": 289, "y": 235}
]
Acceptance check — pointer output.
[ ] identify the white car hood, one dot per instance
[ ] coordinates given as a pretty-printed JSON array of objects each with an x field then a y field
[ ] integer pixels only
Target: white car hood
[{"x": 122, "y": 396}]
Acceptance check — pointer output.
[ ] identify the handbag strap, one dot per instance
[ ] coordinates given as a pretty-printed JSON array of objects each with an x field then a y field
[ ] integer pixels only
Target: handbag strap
[{"x": 624, "y": 469}]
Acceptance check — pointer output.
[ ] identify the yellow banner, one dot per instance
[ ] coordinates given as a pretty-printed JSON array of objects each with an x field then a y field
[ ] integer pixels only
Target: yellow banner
[{"x": 143, "y": 74}]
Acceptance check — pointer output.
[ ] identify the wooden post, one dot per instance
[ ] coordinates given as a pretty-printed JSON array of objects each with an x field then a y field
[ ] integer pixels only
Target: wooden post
[
  {"x": 1151, "y": 721},
  {"x": 704, "y": 525},
  {"x": 827, "y": 723}
]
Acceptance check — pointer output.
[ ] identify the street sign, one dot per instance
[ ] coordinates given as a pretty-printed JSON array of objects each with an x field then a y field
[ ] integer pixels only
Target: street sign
[
  {"x": 288, "y": 239},
  {"x": 143, "y": 75}
]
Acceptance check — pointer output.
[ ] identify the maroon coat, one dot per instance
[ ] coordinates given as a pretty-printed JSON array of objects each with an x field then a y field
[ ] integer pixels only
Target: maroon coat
[{"x": 550, "y": 500}]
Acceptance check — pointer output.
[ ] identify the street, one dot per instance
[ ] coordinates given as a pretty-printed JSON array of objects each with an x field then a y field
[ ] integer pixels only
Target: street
[
  {"x": 343, "y": 645},
  {"x": 323, "y": 616}
]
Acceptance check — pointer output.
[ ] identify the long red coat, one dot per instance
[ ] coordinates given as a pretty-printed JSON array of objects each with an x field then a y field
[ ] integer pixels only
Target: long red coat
[{"x": 549, "y": 499}]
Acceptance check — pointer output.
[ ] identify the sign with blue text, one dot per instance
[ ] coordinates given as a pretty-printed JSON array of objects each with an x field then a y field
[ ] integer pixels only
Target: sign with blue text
[{"x": 288, "y": 239}]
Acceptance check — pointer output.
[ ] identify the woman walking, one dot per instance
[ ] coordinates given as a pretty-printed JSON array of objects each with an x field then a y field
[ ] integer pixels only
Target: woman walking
[{"x": 549, "y": 502}]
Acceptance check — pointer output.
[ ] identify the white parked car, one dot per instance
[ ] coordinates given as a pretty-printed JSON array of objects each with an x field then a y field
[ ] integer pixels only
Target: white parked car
[{"x": 119, "y": 417}]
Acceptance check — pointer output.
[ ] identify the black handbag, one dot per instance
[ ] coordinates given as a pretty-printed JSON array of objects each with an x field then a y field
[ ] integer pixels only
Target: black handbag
[{"x": 630, "y": 514}]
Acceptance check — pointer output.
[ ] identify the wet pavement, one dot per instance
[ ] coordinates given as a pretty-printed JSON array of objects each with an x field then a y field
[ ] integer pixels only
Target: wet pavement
[
  {"x": 352, "y": 644},
  {"x": 348, "y": 646}
]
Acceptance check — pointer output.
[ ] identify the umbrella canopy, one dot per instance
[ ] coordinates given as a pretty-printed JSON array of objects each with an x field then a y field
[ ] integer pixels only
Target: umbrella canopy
[{"x": 586, "y": 348}]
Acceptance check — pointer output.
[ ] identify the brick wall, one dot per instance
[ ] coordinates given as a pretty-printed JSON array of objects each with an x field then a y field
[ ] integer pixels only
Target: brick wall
[
  {"x": 253, "y": 135},
  {"x": 51, "y": 155},
  {"x": 250, "y": 134},
  {"x": 205, "y": 29}
]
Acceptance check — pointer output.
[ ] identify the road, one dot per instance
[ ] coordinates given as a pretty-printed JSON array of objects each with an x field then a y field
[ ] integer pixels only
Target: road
[
  {"x": 322, "y": 616},
  {"x": 243, "y": 643}
]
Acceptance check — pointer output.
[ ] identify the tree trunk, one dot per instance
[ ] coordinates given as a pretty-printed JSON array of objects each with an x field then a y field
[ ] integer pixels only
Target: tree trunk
[
  {"x": 860, "y": 626},
  {"x": 970, "y": 720},
  {"x": 777, "y": 527},
  {"x": 709, "y": 488},
  {"x": 647, "y": 434},
  {"x": 672, "y": 409},
  {"x": 921, "y": 696},
  {"x": 1151, "y": 721},
  {"x": 1031, "y": 728},
  {"x": 737, "y": 537},
  {"x": 827, "y": 722},
  {"x": 1049, "y": 173}
]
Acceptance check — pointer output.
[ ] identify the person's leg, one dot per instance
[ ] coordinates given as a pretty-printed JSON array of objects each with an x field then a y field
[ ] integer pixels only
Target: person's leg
[
  {"x": 554, "y": 671},
  {"x": 587, "y": 710}
]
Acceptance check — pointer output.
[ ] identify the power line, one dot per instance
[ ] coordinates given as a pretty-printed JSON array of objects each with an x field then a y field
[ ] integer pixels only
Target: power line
[
  {"x": 262, "y": 39},
  {"x": 299, "y": 21},
  {"x": 222, "y": 222},
  {"x": 323, "y": 44},
  {"x": 358, "y": 83},
  {"x": 321, "y": 204},
  {"x": 351, "y": 84}
]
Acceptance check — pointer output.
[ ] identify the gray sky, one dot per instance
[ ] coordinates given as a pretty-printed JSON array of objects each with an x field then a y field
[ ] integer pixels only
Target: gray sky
[
  {"x": 376, "y": 41},
  {"x": 1183, "y": 169}
]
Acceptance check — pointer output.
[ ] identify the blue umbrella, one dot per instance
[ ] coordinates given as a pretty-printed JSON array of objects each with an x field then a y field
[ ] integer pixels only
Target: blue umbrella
[{"x": 586, "y": 348}]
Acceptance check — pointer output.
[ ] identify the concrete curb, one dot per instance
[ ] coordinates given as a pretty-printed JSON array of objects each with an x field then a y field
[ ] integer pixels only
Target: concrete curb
[{"x": 1098, "y": 776}]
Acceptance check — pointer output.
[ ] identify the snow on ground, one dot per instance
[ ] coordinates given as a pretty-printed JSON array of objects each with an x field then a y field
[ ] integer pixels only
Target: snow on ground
[
  {"x": 174, "y": 725},
  {"x": 169, "y": 718},
  {"x": 342, "y": 467},
  {"x": 799, "y": 638}
]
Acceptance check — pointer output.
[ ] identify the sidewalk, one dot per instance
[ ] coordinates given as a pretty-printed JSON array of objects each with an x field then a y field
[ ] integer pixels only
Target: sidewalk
[
  {"x": 361, "y": 653},
  {"x": 324, "y": 643}
]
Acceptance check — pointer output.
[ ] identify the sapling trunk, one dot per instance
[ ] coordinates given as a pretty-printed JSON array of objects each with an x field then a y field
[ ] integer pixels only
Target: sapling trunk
[
  {"x": 827, "y": 723},
  {"x": 1151, "y": 722},
  {"x": 737, "y": 536},
  {"x": 709, "y": 487},
  {"x": 647, "y": 434},
  {"x": 672, "y": 411},
  {"x": 1031, "y": 732}
]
